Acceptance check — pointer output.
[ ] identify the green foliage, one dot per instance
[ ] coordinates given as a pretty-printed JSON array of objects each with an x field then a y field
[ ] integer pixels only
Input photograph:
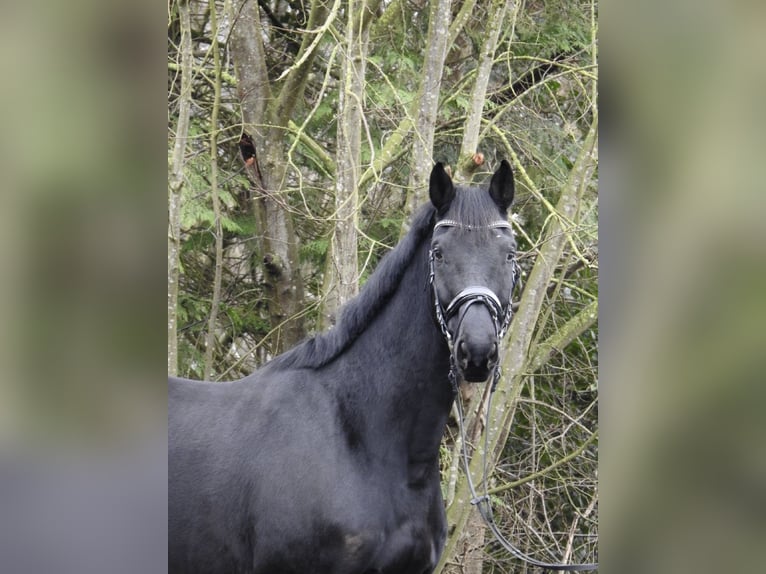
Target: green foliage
[
  {"x": 315, "y": 251},
  {"x": 191, "y": 309},
  {"x": 196, "y": 205},
  {"x": 245, "y": 320},
  {"x": 390, "y": 224},
  {"x": 567, "y": 26},
  {"x": 325, "y": 111},
  {"x": 546, "y": 28}
]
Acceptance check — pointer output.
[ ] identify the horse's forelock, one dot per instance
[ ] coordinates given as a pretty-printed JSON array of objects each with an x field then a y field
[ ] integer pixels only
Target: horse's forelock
[{"x": 473, "y": 207}]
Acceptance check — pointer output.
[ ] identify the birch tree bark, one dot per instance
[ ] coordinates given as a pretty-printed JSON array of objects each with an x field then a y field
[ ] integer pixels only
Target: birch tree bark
[
  {"x": 218, "y": 229},
  {"x": 421, "y": 160},
  {"x": 467, "y": 161},
  {"x": 341, "y": 280},
  {"x": 175, "y": 182}
]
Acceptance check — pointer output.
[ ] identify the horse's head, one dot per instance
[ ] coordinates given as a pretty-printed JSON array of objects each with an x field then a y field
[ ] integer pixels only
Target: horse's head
[{"x": 473, "y": 268}]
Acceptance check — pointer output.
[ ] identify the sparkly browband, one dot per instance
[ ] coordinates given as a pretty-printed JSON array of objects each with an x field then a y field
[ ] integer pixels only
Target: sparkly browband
[{"x": 453, "y": 223}]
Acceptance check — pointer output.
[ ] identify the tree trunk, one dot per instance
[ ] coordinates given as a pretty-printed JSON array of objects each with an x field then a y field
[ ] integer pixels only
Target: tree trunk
[
  {"x": 470, "y": 547},
  {"x": 266, "y": 116},
  {"x": 210, "y": 338},
  {"x": 470, "y": 145},
  {"x": 176, "y": 181},
  {"x": 421, "y": 161},
  {"x": 341, "y": 280}
]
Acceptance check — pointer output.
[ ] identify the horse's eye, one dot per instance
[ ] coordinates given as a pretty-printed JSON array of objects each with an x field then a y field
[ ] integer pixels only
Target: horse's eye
[
  {"x": 438, "y": 255},
  {"x": 510, "y": 257}
]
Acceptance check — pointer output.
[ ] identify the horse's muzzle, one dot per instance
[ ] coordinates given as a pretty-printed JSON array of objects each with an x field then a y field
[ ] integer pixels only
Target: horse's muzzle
[
  {"x": 476, "y": 346},
  {"x": 476, "y": 366}
]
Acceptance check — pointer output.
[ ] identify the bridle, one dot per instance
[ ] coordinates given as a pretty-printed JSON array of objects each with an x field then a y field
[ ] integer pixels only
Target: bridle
[{"x": 501, "y": 317}]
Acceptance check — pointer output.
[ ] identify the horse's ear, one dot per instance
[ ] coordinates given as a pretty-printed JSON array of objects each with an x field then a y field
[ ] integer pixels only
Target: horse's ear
[
  {"x": 501, "y": 186},
  {"x": 440, "y": 188}
]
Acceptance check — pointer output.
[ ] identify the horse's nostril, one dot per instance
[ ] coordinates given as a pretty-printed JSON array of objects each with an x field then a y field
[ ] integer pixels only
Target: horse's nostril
[
  {"x": 463, "y": 355},
  {"x": 492, "y": 358}
]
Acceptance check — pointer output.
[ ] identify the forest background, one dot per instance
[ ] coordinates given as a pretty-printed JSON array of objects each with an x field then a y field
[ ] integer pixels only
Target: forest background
[{"x": 347, "y": 105}]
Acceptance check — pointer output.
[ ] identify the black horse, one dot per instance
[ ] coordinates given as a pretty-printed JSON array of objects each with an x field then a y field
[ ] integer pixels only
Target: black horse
[{"x": 326, "y": 460}]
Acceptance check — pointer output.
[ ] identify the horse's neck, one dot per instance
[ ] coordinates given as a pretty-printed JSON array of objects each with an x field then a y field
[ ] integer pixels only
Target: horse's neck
[
  {"x": 406, "y": 365},
  {"x": 407, "y": 337}
]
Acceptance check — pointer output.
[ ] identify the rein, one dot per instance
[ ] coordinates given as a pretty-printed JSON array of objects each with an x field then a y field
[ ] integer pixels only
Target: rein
[{"x": 501, "y": 317}]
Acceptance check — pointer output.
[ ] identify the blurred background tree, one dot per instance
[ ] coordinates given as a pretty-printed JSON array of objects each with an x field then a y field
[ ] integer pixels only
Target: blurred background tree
[{"x": 348, "y": 104}]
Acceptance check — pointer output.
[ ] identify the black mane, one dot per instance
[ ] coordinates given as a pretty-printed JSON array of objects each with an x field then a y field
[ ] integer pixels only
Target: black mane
[{"x": 358, "y": 313}]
